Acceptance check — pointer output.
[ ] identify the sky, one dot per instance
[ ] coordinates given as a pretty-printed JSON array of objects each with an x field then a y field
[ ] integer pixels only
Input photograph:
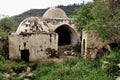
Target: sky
[{"x": 15, "y": 7}]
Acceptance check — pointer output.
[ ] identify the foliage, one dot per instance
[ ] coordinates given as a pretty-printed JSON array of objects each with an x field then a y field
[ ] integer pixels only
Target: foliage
[
  {"x": 7, "y": 65},
  {"x": 77, "y": 47},
  {"x": 4, "y": 46},
  {"x": 79, "y": 69},
  {"x": 113, "y": 58},
  {"x": 2, "y": 77},
  {"x": 68, "y": 69},
  {"x": 98, "y": 16},
  {"x": 7, "y": 23},
  {"x": 3, "y": 34}
]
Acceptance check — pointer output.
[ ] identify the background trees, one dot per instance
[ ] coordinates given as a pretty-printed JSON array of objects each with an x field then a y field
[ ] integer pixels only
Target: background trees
[
  {"x": 104, "y": 17},
  {"x": 6, "y": 24}
]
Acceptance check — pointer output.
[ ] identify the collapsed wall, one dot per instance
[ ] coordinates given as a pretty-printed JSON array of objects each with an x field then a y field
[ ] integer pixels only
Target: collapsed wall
[{"x": 93, "y": 46}]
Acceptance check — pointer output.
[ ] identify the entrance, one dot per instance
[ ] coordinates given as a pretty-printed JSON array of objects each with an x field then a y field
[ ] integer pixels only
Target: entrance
[
  {"x": 25, "y": 55},
  {"x": 114, "y": 45},
  {"x": 64, "y": 37}
]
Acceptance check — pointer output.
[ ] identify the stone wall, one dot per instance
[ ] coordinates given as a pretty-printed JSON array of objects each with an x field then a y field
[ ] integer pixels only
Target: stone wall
[
  {"x": 36, "y": 43},
  {"x": 53, "y": 24},
  {"x": 92, "y": 45}
]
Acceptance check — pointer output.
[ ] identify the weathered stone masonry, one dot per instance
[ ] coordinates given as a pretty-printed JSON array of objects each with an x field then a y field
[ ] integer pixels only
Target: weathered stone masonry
[{"x": 34, "y": 35}]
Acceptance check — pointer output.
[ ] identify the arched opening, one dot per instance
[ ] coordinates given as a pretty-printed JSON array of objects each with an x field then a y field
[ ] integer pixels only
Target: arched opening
[
  {"x": 84, "y": 46},
  {"x": 64, "y": 35}
]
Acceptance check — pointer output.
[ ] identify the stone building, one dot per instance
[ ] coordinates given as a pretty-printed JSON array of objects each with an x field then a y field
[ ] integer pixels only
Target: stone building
[
  {"x": 93, "y": 46},
  {"x": 54, "y": 30},
  {"x": 34, "y": 35}
]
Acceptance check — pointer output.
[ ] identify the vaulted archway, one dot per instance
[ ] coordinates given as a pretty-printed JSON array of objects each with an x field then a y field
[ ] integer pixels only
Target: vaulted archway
[{"x": 66, "y": 35}]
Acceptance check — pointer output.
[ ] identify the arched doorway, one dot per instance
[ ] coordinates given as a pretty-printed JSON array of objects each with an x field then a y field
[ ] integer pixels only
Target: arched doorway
[{"x": 66, "y": 35}]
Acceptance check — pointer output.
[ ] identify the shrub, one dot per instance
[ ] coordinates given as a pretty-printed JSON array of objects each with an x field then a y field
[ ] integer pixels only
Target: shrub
[
  {"x": 2, "y": 77},
  {"x": 77, "y": 47}
]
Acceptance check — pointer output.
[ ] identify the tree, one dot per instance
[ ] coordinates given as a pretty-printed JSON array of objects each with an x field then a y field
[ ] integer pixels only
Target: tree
[
  {"x": 7, "y": 23},
  {"x": 97, "y": 16}
]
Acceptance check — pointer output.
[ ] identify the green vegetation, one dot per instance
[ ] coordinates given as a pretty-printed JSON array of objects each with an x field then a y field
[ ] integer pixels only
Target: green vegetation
[
  {"x": 68, "y": 69},
  {"x": 90, "y": 16},
  {"x": 77, "y": 47},
  {"x": 6, "y": 24},
  {"x": 99, "y": 16},
  {"x": 79, "y": 69}
]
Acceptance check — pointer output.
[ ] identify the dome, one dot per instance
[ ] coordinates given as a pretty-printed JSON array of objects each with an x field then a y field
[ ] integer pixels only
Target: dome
[
  {"x": 55, "y": 13},
  {"x": 32, "y": 24}
]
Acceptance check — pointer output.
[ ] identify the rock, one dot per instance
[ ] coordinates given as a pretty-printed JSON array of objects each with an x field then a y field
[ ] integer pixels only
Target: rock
[
  {"x": 118, "y": 65},
  {"x": 13, "y": 74},
  {"x": 11, "y": 70},
  {"x": 7, "y": 75},
  {"x": 104, "y": 63},
  {"x": 30, "y": 75},
  {"x": 26, "y": 79},
  {"x": 67, "y": 52},
  {"x": 118, "y": 78},
  {"x": 28, "y": 69},
  {"x": 22, "y": 74}
]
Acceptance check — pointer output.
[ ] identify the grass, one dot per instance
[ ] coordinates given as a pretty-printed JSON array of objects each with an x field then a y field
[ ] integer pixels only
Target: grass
[
  {"x": 69, "y": 69},
  {"x": 3, "y": 34}
]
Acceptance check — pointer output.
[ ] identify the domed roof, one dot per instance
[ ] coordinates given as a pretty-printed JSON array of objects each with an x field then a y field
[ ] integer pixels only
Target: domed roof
[
  {"x": 55, "y": 13},
  {"x": 32, "y": 24}
]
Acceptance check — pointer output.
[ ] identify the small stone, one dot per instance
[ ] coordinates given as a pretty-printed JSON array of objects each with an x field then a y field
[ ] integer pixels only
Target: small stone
[
  {"x": 26, "y": 79},
  {"x": 30, "y": 75},
  {"x": 118, "y": 65},
  {"x": 105, "y": 62},
  {"x": 118, "y": 78},
  {"x": 7, "y": 75},
  {"x": 28, "y": 69},
  {"x": 21, "y": 75},
  {"x": 13, "y": 74}
]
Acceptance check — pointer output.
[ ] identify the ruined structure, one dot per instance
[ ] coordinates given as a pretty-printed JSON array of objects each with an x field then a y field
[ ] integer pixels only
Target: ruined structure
[
  {"x": 93, "y": 46},
  {"x": 34, "y": 35}
]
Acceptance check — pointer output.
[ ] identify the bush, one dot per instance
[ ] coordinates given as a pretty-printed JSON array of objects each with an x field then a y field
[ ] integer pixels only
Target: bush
[
  {"x": 113, "y": 58},
  {"x": 77, "y": 48},
  {"x": 70, "y": 69},
  {"x": 2, "y": 77}
]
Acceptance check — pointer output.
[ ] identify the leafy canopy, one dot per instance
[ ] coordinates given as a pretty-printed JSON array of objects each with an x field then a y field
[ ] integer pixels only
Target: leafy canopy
[
  {"x": 7, "y": 24},
  {"x": 98, "y": 16}
]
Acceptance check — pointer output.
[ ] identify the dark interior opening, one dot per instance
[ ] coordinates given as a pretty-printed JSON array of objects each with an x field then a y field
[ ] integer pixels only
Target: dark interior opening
[
  {"x": 25, "y": 55},
  {"x": 64, "y": 37},
  {"x": 104, "y": 50},
  {"x": 84, "y": 46},
  {"x": 114, "y": 45}
]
